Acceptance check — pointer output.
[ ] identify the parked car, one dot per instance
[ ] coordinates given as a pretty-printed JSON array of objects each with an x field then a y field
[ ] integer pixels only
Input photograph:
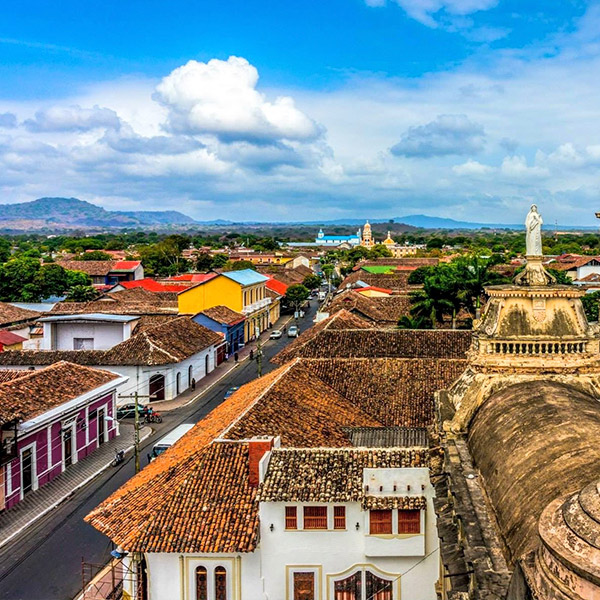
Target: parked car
[
  {"x": 275, "y": 334},
  {"x": 322, "y": 295},
  {"x": 230, "y": 391},
  {"x": 293, "y": 331},
  {"x": 127, "y": 411}
]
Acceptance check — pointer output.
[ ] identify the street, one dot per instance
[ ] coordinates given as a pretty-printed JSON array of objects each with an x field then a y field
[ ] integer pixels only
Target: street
[{"x": 45, "y": 563}]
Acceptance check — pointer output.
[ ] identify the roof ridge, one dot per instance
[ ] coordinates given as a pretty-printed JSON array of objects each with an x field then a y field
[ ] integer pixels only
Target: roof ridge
[{"x": 284, "y": 370}]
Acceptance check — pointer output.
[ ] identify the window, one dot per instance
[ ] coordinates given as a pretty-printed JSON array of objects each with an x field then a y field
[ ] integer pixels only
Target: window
[
  {"x": 348, "y": 588},
  {"x": 339, "y": 517},
  {"x": 409, "y": 521},
  {"x": 377, "y": 588},
  {"x": 201, "y": 584},
  {"x": 380, "y": 522},
  {"x": 304, "y": 586},
  {"x": 291, "y": 517},
  {"x": 315, "y": 517},
  {"x": 83, "y": 343},
  {"x": 220, "y": 583}
]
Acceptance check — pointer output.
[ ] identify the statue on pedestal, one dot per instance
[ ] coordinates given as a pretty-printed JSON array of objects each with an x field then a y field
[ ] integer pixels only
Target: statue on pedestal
[
  {"x": 534, "y": 273},
  {"x": 533, "y": 235}
]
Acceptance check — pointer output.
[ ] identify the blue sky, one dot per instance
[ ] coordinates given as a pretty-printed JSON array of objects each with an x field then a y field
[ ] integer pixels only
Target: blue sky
[{"x": 281, "y": 110}]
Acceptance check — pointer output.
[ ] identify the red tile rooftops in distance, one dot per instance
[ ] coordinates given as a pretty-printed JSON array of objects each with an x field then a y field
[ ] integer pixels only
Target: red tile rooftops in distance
[
  {"x": 8, "y": 338},
  {"x": 193, "y": 277},
  {"x": 154, "y": 286}
]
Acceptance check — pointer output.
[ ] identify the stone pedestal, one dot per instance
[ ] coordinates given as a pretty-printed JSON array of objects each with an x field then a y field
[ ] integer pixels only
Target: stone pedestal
[{"x": 534, "y": 273}]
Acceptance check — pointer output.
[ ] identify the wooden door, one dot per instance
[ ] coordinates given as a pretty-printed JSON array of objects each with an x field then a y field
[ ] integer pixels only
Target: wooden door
[
  {"x": 304, "y": 586},
  {"x": 27, "y": 470},
  {"x": 68, "y": 446},
  {"x": 157, "y": 388},
  {"x": 101, "y": 426}
]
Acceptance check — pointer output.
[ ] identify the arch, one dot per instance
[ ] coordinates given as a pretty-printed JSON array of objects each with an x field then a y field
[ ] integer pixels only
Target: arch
[
  {"x": 220, "y": 583},
  {"x": 201, "y": 583},
  {"x": 156, "y": 387}
]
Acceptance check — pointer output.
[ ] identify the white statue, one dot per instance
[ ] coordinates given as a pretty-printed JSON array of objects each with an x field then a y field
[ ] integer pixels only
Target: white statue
[{"x": 533, "y": 235}]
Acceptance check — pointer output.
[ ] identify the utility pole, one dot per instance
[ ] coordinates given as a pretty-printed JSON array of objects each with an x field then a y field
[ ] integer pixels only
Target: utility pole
[{"x": 136, "y": 421}]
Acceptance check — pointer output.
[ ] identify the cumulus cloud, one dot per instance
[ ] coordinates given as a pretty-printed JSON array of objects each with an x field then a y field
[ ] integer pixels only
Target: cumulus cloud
[
  {"x": 8, "y": 120},
  {"x": 516, "y": 167},
  {"x": 426, "y": 11},
  {"x": 472, "y": 167},
  {"x": 220, "y": 98},
  {"x": 72, "y": 118},
  {"x": 448, "y": 134}
]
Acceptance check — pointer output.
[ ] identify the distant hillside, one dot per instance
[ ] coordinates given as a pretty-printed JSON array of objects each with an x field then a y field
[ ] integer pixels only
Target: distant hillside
[{"x": 56, "y": 214}]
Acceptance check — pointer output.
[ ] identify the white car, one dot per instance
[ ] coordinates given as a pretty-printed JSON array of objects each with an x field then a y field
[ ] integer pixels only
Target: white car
[{"x": 275, "y": 334}]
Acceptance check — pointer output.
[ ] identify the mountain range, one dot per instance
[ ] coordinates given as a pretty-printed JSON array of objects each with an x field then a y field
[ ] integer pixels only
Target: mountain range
[{"x": 70, "y": 214}]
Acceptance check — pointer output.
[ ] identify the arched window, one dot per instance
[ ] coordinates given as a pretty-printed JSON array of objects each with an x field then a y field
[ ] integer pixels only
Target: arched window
[
  {"x": 220, "y": 583},
  {"x": 349, "y": 588},
  {"x": 201, "y": 584},
  {"x": 378, "y": 588},
  {"x": 178, "y": 384},
  {"x": 190, "y": 375}
]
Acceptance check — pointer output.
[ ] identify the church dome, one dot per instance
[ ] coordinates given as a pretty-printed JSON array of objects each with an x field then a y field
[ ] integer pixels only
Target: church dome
[{"x": 534, "y": 442}]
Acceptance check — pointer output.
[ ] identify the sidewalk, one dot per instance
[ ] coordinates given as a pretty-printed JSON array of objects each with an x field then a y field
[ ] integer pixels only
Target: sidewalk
[
  {"x": 36, "y": 504},
  {"x": 217, "y": 373}
]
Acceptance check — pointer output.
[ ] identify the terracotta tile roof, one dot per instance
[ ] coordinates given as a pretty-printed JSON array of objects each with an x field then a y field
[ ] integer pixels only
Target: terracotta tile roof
[
  {"x": 396, "y": 281},
  {"x": 388, "y": 437},
  {"x": 276, "y": 286},
  {"x": 378, "y": 343},
  {"x": 576, "y": 262},
  {"x": 126, "y": 265},
  {"x": 192, "y": 277},
  {"x": 387, "y": 502},
  {"x": 36, "y": 392},
  {"x": 399, "y": 262},
  {"x": 13, "y": 314},
  {"x": 395, "y": 392},
  {"x": 372, "y": 288},
  {"x": 8, "y": 338},
  {"x": 287, "y": 276},
  {"x": 224, "y": 315},
  {"x": 382, "y": 310},
  {"x": 10, "y": 374},
  {"x": 145, "y": 322},
  {"x": 193, "y": 498},
  {"x": 153, "y": 286},
  {"x": 166, "y": 343},
  {"x": 97, "y": 268},
  {"x": 305, "y": 412},
  {"x": 330, "y": 474}
]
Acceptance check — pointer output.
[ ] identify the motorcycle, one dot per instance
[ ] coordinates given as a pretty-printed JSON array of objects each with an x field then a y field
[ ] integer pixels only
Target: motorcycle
[
  {"x": 152, "y": 417},
  {"x": 119, "y": 457}
]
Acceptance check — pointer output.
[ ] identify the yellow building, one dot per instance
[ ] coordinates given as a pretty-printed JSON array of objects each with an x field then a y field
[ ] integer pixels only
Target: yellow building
[
  {"x": 367, "y": 240},
  {"x": 243, "y": 291},
  {"x": 268, "y": 259}
]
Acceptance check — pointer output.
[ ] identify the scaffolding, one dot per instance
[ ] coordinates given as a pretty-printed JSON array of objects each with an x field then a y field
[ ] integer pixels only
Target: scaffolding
[{"x": 120, "y": 579}]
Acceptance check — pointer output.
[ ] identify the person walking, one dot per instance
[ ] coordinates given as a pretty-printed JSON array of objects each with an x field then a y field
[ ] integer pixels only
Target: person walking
[
  {"x": 251, "y": 354},
  {"x": 193, "y": 384},
  {"x": 236, "y": 357}
]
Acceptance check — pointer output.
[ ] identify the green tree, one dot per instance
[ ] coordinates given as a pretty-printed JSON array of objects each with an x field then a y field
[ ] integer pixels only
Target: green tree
[
  {"x": 590, "y": 305},
  {"x": 311, "y": 282},
  {"x": 82, "y": 293},
  {"x": 204, "y": 262},
  {"x": 406, "y": 322},
  {"x": 379, "y": 251},
  {"x": 94, "y": 255},
  {"x": 5, "y": 249},
  {"x": 296, "y": 295},
  {"x": 239, "y": 265},
  {"x": 219, "y": 261},
  {"x": 417, "y": 277}
]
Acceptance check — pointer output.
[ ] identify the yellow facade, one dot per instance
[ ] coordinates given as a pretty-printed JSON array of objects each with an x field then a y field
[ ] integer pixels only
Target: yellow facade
[
  {"x": 373, "y": 293},
  {"x": 222, "y": 291}
]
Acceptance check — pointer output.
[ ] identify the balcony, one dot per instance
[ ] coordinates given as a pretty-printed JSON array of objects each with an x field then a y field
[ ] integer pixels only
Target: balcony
[{"x": 252, "y": 308}]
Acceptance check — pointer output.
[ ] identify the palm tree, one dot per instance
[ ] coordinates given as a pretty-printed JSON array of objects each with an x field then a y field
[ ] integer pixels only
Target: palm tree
[{"x": 406, "y": 322}]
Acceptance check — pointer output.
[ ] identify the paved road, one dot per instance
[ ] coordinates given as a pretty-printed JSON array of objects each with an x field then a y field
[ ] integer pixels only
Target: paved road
[{"x": 46, "y": 563}]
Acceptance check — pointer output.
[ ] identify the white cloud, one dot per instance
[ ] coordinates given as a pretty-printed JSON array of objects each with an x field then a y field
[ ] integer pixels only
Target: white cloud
[
  {"x": 220, "y": 98},
  {"x": 472, "y": 167},
  {"x": 447, "y": 134},
  {"x": 516, "y": 167},
  {"x": 73, "y": 118},
  {"x": 427, "y": 11}
]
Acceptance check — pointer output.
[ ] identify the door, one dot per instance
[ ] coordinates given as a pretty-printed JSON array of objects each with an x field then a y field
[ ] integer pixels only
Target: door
[
  {"x": 101, "y": 426},
  {"x": 27, "y": 470},
  {"x": 68, "y": 447},
  {"x": 157, "y": 387}
]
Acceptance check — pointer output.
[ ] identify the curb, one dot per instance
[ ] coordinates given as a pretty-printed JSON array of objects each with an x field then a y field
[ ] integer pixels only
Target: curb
[{"x": 68, "y": 494}]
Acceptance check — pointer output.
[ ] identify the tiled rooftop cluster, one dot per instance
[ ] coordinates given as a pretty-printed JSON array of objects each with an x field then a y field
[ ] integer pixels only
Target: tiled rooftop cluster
[
  {"x": 223, "y": 314},
  {"x": 99, "y": 267},
  {"x": 162, "y": 344},
  {"x": 14, "y": 314},
  {"x": 381, "y": 310},
  {"x": 34, "y": 392},
  {"x": 330, "y": 475},
  {"x": 396, "y": 281},
  {"x": 393, "y": 391},
  {"x": 380, "y": 343}
]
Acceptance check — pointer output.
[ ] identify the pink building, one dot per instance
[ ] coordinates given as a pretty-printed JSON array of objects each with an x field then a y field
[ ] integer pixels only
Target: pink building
[{"x": 49, "y": 420}]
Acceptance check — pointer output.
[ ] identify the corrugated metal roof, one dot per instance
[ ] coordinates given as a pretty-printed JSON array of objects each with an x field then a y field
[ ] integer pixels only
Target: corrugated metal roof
[
  {"x": 245, "y": 277},
  {"x": 387, "y": 437}
]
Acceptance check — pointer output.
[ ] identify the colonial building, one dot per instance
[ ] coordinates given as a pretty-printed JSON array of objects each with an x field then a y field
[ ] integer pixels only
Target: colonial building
[
  {"x": 49, "y": 420},
  {"x": 242, "y": 291},
  {"x": 226, "y": 321},
  {"x": 106, "y": 273}
]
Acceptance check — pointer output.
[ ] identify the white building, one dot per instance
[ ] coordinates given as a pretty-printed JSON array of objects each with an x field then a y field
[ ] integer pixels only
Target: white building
[{"x": 160, "y": 361}]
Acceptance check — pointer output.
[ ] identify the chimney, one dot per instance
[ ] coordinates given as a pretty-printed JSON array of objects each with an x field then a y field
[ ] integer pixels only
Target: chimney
[{"x": 258, "y": 446}]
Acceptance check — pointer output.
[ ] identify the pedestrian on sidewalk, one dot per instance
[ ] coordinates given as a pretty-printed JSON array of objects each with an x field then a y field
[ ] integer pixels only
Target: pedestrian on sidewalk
[
  {"x": 251, "y": 354},
  {"x": 193, "y": 384},
  {"x": 235, "y": 357}
]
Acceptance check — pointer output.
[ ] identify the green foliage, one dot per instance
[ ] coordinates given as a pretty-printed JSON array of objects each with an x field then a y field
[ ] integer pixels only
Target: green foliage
[
  {"x": 164, "y": 258},
  {"x": 311, "y": 282},
  {"x": 379, "y": 251},
  {"x": 239, "y": 265},
  {"x": 356, "y": 254},
  {"x": 5, "y": 248},
  {"x": 219, "y": 261},
  {"x": 26, "y": 280},
  {"x": 296, "y": 295},
  {"x": 590, "y": 305},
  {"x": 94, "y": 255},
  {"x": 561, "y": 277},
  {"x": 417, "y": 277},
  {"x": 82, "y": 293},
  {"x": 204, "y": 262},
  {"x": 406, "y": 322}
]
